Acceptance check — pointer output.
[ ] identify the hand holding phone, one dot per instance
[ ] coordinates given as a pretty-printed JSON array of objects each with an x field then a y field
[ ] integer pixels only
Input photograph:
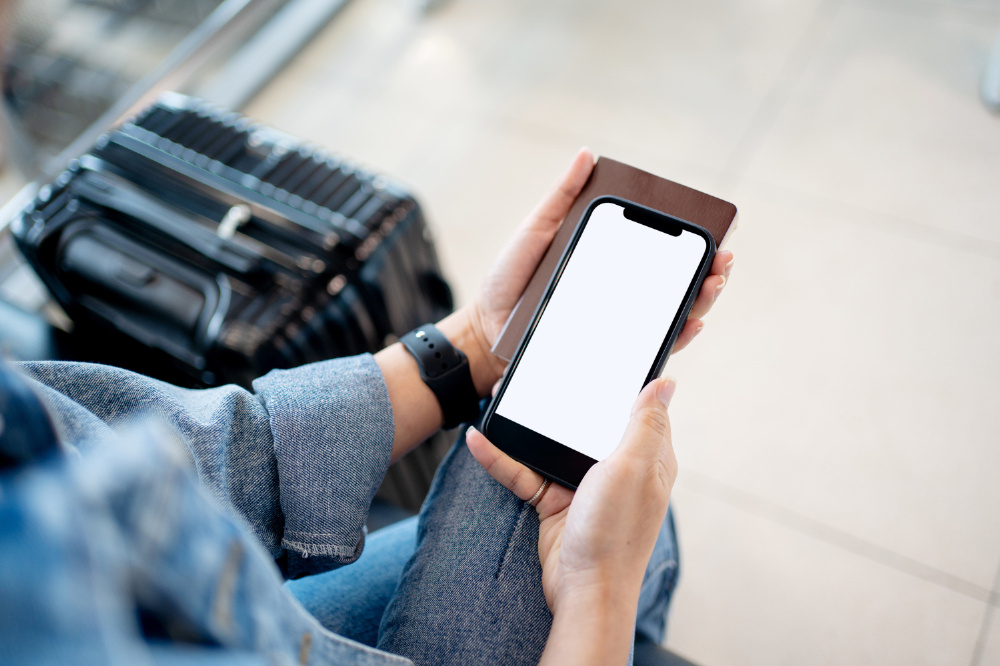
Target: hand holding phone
[
  {"x": 589, "y": 576},
  {"x": 582, "y": 533},
  {"x": 603, "y": 330}
]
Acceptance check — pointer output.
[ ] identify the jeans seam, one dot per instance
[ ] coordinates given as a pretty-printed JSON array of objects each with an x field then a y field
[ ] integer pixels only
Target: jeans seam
[
  {"x": 301, "y": 533},
  {"x": 510, "y": 539},
  {"x": 329, "y": 550},
  {"x": 658, "y": 571}
]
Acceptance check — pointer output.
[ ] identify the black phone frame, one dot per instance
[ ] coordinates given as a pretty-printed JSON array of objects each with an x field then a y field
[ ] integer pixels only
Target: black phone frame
[{"x": 546, "y": 456}]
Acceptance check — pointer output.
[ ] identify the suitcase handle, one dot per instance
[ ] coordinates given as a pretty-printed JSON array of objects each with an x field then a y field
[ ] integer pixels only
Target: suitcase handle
[{"x": 116, "y": 193}]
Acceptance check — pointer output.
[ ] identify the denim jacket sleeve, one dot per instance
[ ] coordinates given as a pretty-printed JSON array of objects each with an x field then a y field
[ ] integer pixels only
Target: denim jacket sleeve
[{"x": 300, "y": 457}]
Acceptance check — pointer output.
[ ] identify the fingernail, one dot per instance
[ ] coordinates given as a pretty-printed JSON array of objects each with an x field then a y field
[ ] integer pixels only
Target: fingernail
[
  {"x": 665, "y": 391},
  {"x": 729, "y": 266},
  {"x": 698, "y": 330},
  {"x": 718, "y": 289}
]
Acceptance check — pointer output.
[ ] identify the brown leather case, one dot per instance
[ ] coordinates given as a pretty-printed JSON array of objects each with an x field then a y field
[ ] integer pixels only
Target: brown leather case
[{"x": 621, "y": 180}]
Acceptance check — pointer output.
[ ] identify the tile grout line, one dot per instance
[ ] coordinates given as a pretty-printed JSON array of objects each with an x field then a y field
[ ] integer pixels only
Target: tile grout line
[
  {"x": 984, "y": 627},
  {"x": 820, "y": 531},
  {"x": 767, "y": 113},
  {"x": 889, "y": 223}
]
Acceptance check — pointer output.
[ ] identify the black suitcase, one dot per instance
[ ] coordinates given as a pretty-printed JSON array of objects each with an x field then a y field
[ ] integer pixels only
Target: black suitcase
[{"x": 197, "y": 247}]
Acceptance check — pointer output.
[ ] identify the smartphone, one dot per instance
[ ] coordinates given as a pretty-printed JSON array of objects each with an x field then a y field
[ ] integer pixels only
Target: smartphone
[{"x": 603, "y": 330}]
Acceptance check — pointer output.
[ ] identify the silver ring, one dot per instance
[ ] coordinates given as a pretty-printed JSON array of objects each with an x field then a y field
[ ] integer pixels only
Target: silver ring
[{"x": 538, "y": 495}]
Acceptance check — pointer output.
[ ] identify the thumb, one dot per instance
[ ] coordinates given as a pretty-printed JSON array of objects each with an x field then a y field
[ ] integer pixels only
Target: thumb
[{"x": 647, "y": 436}]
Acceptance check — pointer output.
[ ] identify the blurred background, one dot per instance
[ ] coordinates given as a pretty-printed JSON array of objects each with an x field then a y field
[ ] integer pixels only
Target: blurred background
[{"x": 836, "y": 422}]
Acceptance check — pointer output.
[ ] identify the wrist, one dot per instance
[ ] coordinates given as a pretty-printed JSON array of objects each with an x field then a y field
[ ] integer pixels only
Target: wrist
[
  {"x": 592, "y": 623},
  {"x": 604, "y": 592},
  {"x": 464, "y": 331}
]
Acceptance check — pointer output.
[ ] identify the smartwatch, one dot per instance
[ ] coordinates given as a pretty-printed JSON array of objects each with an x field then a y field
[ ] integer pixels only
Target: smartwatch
[{"x": 446, "y": 372}]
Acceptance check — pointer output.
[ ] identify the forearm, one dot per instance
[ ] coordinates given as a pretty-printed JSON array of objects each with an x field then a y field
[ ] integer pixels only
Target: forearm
[
  {"x": 416, "y": 412},
  {"x": 594, "y": 625}
]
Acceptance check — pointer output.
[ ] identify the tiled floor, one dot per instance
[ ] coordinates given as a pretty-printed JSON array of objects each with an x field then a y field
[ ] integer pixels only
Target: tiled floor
[{"x": 837, "y": 422}]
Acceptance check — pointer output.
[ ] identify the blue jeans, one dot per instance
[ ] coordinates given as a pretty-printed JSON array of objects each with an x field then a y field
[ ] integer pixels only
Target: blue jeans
[
  {"x": 461, "y": 583},
  {"x": 142, "y": 523}
]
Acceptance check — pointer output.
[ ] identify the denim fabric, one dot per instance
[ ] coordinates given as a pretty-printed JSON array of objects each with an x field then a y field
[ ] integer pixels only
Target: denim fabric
[
  {"x": 477, "y": 549},
  {"x": 120, "y": 557},
  {"x": 472, "y": 594},
  {"x": 658, "y": 584},
  {"x": 300, "y": 459},
  {"x": 26, "y": 432},
  {"x": 114, "y": 552},
  {"x": 350, "y": 600}
]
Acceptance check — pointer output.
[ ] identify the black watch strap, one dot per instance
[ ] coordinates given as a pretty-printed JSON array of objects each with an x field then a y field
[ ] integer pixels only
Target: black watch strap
[{"x": 446, "y": 371}]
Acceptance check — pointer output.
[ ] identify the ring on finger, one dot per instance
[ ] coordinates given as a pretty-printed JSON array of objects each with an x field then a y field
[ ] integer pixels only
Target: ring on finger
[{"x": 537, "y": 497}]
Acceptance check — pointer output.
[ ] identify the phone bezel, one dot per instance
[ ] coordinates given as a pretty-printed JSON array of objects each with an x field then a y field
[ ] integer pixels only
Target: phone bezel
[{"x": 543, "y": 454}]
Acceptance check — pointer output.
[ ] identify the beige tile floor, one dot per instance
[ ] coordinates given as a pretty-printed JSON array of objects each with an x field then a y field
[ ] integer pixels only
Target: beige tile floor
[{"x": 837, "y": 424}]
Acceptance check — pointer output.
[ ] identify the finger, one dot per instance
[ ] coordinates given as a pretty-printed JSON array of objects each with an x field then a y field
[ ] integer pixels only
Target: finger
[
  {"x": 647, "y": 437},
  {"x": 712, "y": 287},
  {"x": 496, "y": 387},
  {"x": 723, "y": 262},
  {"x": 692, "y": 327},
  {"x": 710, "y": 291},
  {"x": 512, "y": 475},
  {"x": 554, "y": 207}
]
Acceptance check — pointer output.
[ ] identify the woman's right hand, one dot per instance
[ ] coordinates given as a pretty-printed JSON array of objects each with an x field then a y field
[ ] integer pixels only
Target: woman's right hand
[{"x": 594, "y": 544}]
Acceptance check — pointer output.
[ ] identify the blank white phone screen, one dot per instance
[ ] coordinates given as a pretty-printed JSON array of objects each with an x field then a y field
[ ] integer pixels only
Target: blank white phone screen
[{"x": 601, "y": 331}]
